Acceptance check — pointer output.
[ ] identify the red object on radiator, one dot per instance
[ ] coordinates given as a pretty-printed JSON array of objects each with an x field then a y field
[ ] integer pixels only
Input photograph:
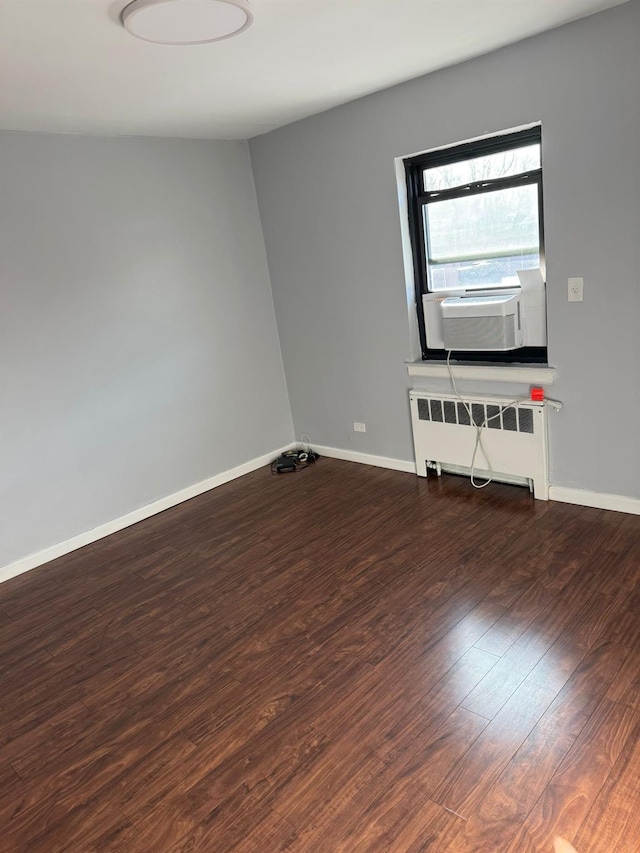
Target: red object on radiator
[{"x": 537, "y": 394}]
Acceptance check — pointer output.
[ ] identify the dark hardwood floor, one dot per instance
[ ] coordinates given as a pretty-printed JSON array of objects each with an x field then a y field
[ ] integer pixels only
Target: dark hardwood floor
[{"x": 341, "y": 659}]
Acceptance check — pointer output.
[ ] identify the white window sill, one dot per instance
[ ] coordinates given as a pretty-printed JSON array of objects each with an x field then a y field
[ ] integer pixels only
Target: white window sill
[{"x": 529, "y": 374}]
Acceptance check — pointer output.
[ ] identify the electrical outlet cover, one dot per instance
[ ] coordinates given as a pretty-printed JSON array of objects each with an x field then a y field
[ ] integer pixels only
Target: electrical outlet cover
[{"x": 575, "y": 289}]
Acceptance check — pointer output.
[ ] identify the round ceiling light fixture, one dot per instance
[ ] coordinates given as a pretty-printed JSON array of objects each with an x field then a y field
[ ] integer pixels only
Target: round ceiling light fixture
[{"x": 186, "y": 21}]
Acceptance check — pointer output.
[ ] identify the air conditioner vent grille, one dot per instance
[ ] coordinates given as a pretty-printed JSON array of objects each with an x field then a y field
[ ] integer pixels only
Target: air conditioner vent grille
[
  {"x": 480, "y": 333},
  {"x": 494, "y": 416}
]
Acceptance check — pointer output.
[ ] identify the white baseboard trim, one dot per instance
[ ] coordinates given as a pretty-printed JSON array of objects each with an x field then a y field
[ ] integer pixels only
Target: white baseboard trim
[
  {"x": 619, "y": 503},
  {"x": 581, "y": 497},
  {"x": 61, "y": 548},
  {"x": 367, "y": 459}
]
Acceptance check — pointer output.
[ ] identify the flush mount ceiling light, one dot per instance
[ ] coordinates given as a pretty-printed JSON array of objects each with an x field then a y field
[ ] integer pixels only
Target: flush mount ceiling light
[{"x": 186, "y": 21}]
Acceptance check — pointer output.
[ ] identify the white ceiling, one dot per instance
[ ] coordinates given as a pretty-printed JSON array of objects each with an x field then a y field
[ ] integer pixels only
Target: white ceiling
[{"x": 69, "y": 66}]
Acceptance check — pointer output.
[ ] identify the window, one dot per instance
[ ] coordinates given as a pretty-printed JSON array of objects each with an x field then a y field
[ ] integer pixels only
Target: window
[{"x": 475, "y": 219}]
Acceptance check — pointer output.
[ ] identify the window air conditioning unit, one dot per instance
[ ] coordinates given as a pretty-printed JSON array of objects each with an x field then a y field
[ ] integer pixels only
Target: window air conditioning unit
[
  {"x": 501, "y": 318},
  {"x": 474, "y": 322}
]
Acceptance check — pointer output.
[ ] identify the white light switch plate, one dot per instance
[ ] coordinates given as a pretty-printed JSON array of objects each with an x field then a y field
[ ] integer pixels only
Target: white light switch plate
[{"x": 576, "y": 289}]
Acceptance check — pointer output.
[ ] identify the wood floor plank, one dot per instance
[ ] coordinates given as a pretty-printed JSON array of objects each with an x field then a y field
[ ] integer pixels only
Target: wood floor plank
[
  {"x": 623, "y": 625},
  {"x": 50, "y": 736},
  {"x": 23, "y": 596},
  {"x": 626, "y": 769},
  {"x": 226, "y": 829},
  {"x": 159, "y": 768},
  {"x": 352, "y": 659},
  {"x": 272, "y": 833},
  {"x": 391, "y": 690},
  {"x": 620, "y": 571},
  {"x": 418, "y": 723},
  {"x": 625, "y": 688},
  {"x": 433, "y": 756},
  {"x": 465, "y": 787},
  {"x": 506, "y": 630},
  {"x": 384, "y": 815},
  {"x": 310, "y": 688},
  {"x": 570, "y": 623},
  {"x": 60, "y": 692},
  {"x": 613, "y": 822},
  {"x": 567, "y": 799},
  {"x": 480, "y": 767},
  {"x": 545, "y": 554},
  {"x": 17, "y": 797},
  {"x": 55, "y": 784},
  {"x": 23, "y": 638},
  {"x": 148, "y": 681},
  {"x": 234, "y": 727},
  {"x": 587, "y": 684},
  {"x": 515, "y": 792},
  {"x": 214, "y": 808},
  {"x": 344, "y": 766},
  {"x": 34, "y": 668},
  {"x": 10, "y": 781},
  {"x": 81, "y": 828},
  {"x": 514, "y": 584},
  {"x": 345, "y": 799}
]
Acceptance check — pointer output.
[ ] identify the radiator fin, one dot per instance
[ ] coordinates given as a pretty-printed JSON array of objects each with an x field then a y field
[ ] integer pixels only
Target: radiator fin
[
  {"x": 510, "y": 420},
  {"x": 493, "y": 417},
  {"x": 463, "y": 415},
  {"x": 449, "y": 412},
  {"x": 436, "y": 410},
  {"x": 490, "y": 415},
  {"x": 478, "y": 413},
  {"x": 525, "y": 420},
  {"x": 423, "y": 410}
]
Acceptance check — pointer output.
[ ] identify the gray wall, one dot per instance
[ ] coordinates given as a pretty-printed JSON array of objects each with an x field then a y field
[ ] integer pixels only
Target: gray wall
[
  {"x": 138, "y": 344},
  {"x": 328, "y": 202}
]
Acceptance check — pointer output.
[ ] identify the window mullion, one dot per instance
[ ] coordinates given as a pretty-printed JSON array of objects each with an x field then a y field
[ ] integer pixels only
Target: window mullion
[{"x": 479, "y": 187}]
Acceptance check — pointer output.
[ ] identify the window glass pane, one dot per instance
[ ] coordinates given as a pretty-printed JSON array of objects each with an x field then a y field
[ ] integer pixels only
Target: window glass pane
[
  {"x": 502, "y": 164},
  {"x": 481, "y": 239}
]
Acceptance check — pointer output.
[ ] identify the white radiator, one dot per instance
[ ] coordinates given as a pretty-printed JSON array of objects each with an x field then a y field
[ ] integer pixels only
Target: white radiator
[{"x": 515, "y": 439}]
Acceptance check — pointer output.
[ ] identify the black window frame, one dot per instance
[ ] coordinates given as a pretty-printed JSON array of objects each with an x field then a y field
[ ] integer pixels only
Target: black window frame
[{"x": 417, "y": 197}]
